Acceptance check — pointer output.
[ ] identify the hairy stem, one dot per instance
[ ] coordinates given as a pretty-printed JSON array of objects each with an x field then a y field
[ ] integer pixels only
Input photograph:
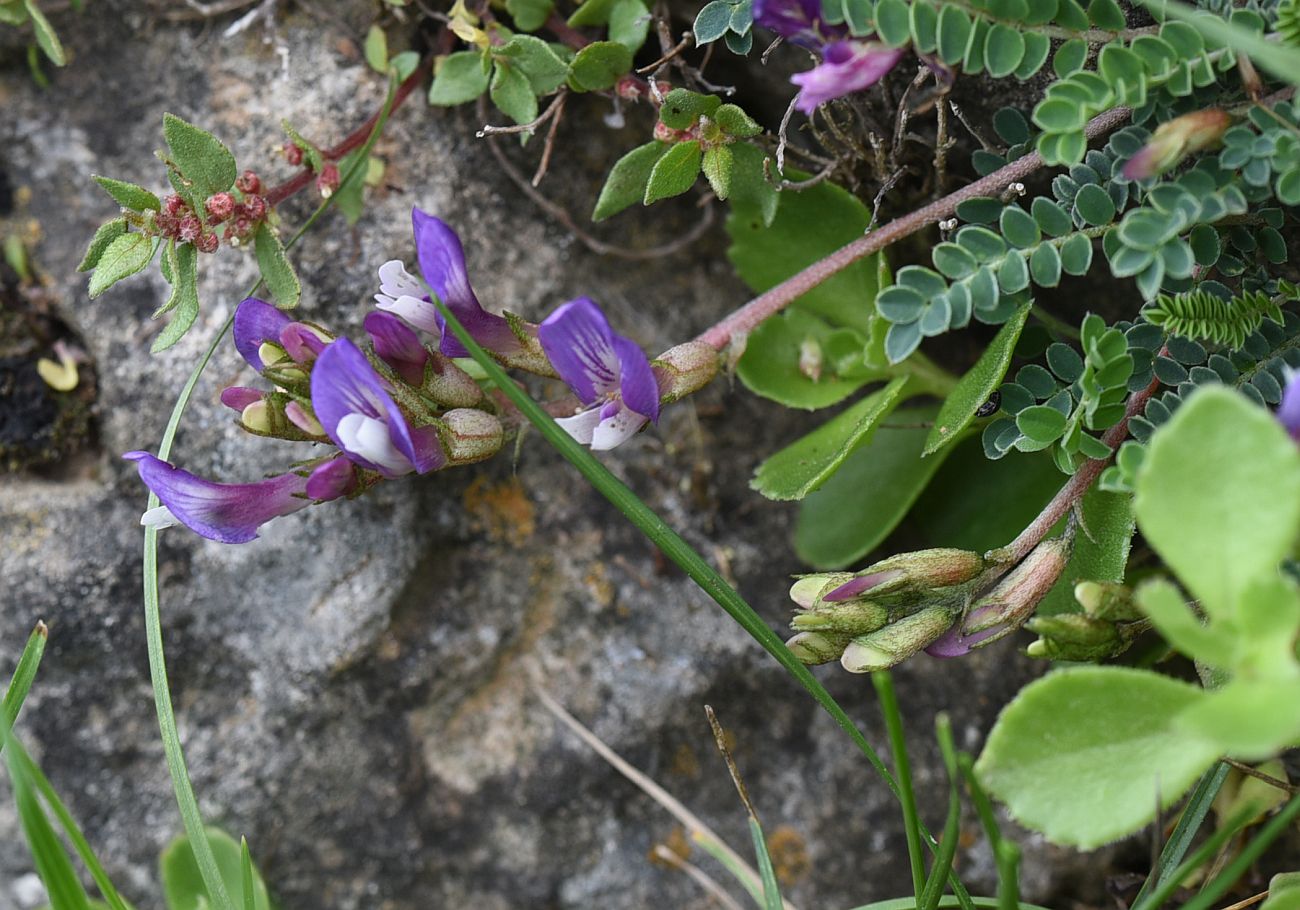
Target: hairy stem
[{"x": 785, "y": 293}]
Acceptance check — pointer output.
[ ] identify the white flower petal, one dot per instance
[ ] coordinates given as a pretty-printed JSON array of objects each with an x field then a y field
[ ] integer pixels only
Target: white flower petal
[
  {"x": 581, "y": 426},
  {"x": 369, "y": 438},
  {"x": 616, "y": 430}
]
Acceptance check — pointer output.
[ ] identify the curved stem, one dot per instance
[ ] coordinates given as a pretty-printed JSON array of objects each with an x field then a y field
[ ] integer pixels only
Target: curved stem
[{"x": 785, "y": 293}]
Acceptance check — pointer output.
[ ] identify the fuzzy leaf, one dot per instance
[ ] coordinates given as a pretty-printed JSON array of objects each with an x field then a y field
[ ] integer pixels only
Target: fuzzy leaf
[
  {"x": 124, "y": 256},
  {"x": 280, "y": 278},
  {"x": 599, "y": 65},
  {"x": 184, "y": 301},
  {"x": 202, "y": 158},
  {"x": 626, "y": 184},
  {"x": 104, "y": 235},
  {"x": 675, "y": 172},
  {"x": 129, "y": 195},
  {"x": 460, "y": 78}
]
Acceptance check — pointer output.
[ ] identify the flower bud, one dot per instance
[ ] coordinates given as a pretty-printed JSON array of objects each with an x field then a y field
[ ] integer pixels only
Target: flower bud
[
  {"x": 174, "y": 206},
  {"x": 897, "y": 641},
  {"x": 911, "y": 577},
  {"x": 189, "y": 229},
  {"x": 207, "y": 243},
  {"x": 302, "y": 418},
  {"x": 327, "y": 181},
  {"x": 471, "y": 435},
  {"x": 1014, "y": 599},
  {"x": 1107, "y": 600},
  {"x": 808, "y": 589},
  {"x": 256, "y": 417},
  {"x": 292, "y": 153},
  {"x": 1175, "y": 139},
  {"x": 1074, "y": 636},
  {"x": 853, "y": 618},
  {"x": 249, "y": 183},
  {"x": 240, "y": 397},
  {"x": 255, "y": 208},
  {"x": 685, "y": 369},
  {"x": 220, "y": 206},
  {"x": 448, "y": 384},
  {"x": 817, "y": 647}
]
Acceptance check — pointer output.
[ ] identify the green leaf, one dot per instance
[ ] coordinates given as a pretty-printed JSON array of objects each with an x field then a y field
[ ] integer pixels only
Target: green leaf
[
  {"x": 460, "y": 78},
  {"x": 1045, "y": 266},
  {"x": 512, "y": 93},
  {"x": 1094, "y": 205},
  {"x": 810, "y": 225},
  {"x": 534, "y": 58},
  {"x": 717, "y": 168},
  {"x": 45, "y": 35},
  {"x": 893, "y": 22},
  {"x": 805, "y": 465},
  {"x": 599, "y": 65},
  {"x": 753, "y": 199},
  {"x": 629, "y": 23},
  {"x": 1041, "y": 424},
  {"x": 1283, "y": 892},
  {"x": 182, "y": 885},
  {"x": 857, "y": 508},
  {"x": 771, "y": 364},
  {"x": 591, "y": 12},
  {"x": 1004, "y": 48},
  {"x": 1106, "y": 14},
  {"x": 203, "y": 160},
  {"x": 1070, "y": 57},
  {"x": 104, "y": 236},
  {"x": 50, "y": 857},
  {"x": 1101, "y": 548},
  {"x": 129, "y": 195},
  {"x": 1282, "y": 60},
  {"x": 529, "y": 15},
  {"x": 682, "y": 108},
  {"x": 1218, "y": 495},
  {"x": 626, "y": 184},
  {"x": 1086, "y": 755},
  {"x": 280, "y": 278},
  {"x": 977, "y": 385},
  {"x": 675, "y": 171},
  {"x": 713, "y": 21},
  {"x": 124, "y": 256},
  {"x": 185, "y": 298},
  {"x": 735, "y": 122},
  {"x": 376, "y": 49}
]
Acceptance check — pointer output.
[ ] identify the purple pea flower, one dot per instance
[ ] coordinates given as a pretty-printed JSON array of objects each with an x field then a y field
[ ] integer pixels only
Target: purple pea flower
[
  {"x": 232, "y": 512},
  {"x": 846, "y": 67},
  {"x": 258, "y": 323},
  {"x": 610, "y": 375},
  {"x": 397, "y": 345},
  {"x": 1288, "y": 412},
  {"x": 442, "y": 262},
  {"x": 353, "y": 404},
  {"x": 797, "y": 21}
]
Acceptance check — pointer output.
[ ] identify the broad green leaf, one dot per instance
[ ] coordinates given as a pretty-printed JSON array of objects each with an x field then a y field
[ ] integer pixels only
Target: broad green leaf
[
  {"x": 104, "y": 236},
  {"x": 1101, "y": 548},
  {"x": 280, "y": 278},
  {"x": 774, "y": 363},
  {"x": 682, "y": 108},
  {"x": 202, "y": 158},
  {"x": 976, "y": 504},
  {"x": 45, "y": 35},
  {"x": 598, "y": 65},
  {"x": 183, "y": 886},
  {"x": 629, "y": 23},
  {"x": 592, "y": 12},
  {"x": 376, "y": 49},
  {"x": 533, "y": 57},
  {"x": 974, "y": 389},
  {"x": 513, "y": 94},
  {"x": 1248, "y": 719},
  {"x": 129, "y": 195},
  {"x": 857, "y": 508},
  {"x": 123, "y": 257},
  {"x": 805, "y": 465},
  {"x": 529, "y": 15},
  {"x": 1218, "y": 495},
  {"x": 626, "y": 184},
  {"x": 185, "y": 297},
  {"x": 1086, "y": 755},
  {"x": 753, "y": 198},
  {"x": 675, "y": 171},
  {"x": 13, "y": 12},
  {"x": 1283, "y": 892},
  {"x": 810, "y": 225},
  {"x": 712, "y": 22},
  {"x": 460, "y": 78},
  {"x": 1167, "y": 609}
]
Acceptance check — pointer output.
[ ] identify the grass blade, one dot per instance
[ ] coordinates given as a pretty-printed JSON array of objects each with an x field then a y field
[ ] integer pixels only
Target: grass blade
[
  {"x": 941, "y": 868},
  {"x": 771, "y": 890},
  {"x": 1200, "y": 857},
  {"x": 246, "y": 870},
  {"x": 1246, "y": 858},
  {"x": 884, "y": 684},
  {"x": 24, "y": 672},
  {"x": 1194, "y": 813}
]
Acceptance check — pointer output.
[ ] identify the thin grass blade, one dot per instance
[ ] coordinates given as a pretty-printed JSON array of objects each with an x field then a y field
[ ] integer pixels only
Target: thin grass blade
[{"x": 941, "y": 868}]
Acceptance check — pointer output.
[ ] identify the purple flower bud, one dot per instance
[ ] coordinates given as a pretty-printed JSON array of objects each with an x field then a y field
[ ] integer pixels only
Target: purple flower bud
[
  {"x": 897, "y": 641},
  {"x": 240, "y": 397},
  {"x": 1288, "y": 412},
  {"x": 303, "y": 342},
  {"x": 256, "y": 323},
  {"x": 397, "y": 345},
  {"x": 333, "y": 479},
  {"x": 846, "y": 67}
]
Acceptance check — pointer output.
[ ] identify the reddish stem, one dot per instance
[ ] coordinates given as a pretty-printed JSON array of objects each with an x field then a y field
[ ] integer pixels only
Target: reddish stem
[
  {"x": 1077, "y": 485},
  {"x": 781, "y": 296},
  {"x": 282, "y": 191}
]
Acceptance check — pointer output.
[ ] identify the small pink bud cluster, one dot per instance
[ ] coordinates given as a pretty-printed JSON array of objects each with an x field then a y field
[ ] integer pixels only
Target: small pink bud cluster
[
  {"x": 292, "y": 153},
  {"x": 178, "y": 220},
  {"x": 327, "y": 181}
]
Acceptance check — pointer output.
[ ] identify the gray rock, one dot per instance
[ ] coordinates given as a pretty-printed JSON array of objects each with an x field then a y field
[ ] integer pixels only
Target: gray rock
[{"x": 354, "y": 688}]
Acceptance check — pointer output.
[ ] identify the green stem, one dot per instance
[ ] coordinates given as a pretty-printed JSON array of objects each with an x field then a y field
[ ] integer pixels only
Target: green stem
[
  {"x": 884, "y": 684},
  {"x": 181, "y": 784},
  {"x": 1198, "y": 806}
]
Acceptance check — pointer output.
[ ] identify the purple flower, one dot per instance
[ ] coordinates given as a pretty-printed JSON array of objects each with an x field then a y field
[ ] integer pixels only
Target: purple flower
[
  {"x": 353, "y": 404},
  {"x": 397, "y": 345},
  {"x": 442, "y": 262},
  {"x": 846, "y": 67},
  {"x": 1288, "y": 412},
  {"x": 228, "y": 512},
  {"x": 258, "y": 323},
  {"x": 610, "y": 375},
  {"x": 797, "y": 21}
]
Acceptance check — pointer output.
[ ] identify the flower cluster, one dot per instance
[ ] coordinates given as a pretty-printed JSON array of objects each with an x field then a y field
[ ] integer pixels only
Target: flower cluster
[
  {"x": 241, "y": 215},
  {"x": 946, "y": 602},
  {"x": 848, "y": 64},
  {"x": 403, "y": 406}
]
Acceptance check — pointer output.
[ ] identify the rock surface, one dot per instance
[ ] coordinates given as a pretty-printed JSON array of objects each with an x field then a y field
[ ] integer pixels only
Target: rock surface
[{"x": 354, "y": 688}]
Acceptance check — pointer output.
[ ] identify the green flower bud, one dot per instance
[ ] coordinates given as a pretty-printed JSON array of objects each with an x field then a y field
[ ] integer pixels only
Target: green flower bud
[
  {"x": 897, "y": 641},
  {"x": 448, "y": 384},
  {"x": 910, "y": 578},
  {"x": 685, "y": 369},
  {"x": 1014, "y": 599},
  {"x": 817, "y": 647},
  {"x": 852, "y": 618},
  {"x": 1107, "y": 600},
  {"x": 471, "y": 435},
  {"x": 808, "y": 589}
]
